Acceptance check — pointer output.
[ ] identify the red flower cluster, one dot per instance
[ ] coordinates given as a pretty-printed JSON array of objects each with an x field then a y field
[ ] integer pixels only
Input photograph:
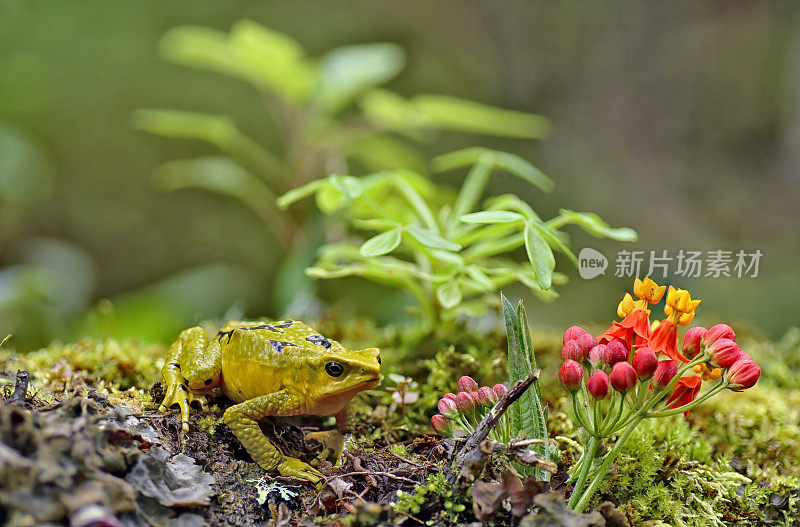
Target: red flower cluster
[
  {"x": 470, "y": 397},
  {"x": 629, "y": 350},
  {"x": 610, "y": 364}
]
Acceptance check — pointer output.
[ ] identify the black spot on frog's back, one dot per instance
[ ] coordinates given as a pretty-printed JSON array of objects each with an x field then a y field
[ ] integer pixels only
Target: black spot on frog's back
[
  {"x": 319, "y": 340},
  {"x": 284, "y": 324},
  {"x": 278, "y": 345}
]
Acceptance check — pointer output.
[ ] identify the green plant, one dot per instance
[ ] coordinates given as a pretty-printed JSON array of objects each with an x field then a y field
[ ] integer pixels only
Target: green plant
[
  {"x": 529, "y": 412},
  {"x": 330, "y": 114},
  {"x": 433, "y": 243}
]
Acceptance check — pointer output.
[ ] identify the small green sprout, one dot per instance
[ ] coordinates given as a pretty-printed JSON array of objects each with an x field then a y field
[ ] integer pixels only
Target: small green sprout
[{"x": 438, "y": 245}]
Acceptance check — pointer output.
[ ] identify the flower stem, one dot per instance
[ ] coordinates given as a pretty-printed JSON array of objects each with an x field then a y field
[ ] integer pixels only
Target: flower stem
[
  {"x": 601, "y": 472},
  {"x": 587, "y": 457}
]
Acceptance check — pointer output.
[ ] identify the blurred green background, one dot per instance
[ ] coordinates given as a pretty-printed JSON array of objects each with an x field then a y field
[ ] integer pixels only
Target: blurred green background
[{"x": 680, "y": 120}]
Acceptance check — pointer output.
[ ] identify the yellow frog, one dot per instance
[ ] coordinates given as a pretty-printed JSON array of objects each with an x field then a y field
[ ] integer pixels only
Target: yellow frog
[{"x": 277, "y": 368}]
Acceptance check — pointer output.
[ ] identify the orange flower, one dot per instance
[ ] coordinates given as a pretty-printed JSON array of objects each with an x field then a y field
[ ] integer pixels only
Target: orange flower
[
  {"x": 635, "y": 323},
  {"x": 686, "y": 391},
  {"x": 664, "y": 339}
]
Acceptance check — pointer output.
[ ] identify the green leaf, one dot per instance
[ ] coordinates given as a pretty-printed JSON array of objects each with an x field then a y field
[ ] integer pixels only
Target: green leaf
[
  {"x": 216, "y": 129},
  {"x": 296, "y": 194},
  {"x": 540, "y": 255},
  {"x": 492, "y": 216},
  {"x": 431, "y": 239},
  {"x": 473, "y": 188},
  {"x": 515, "y": 363},
  {"x": 533, "y": 411},
  {"x": 389, "y": 110},
  {"x": 450, "y": 113},
  {"x": 597, "y": 227},
  {"x": 447, "y": 257},
  {"x": 349, "y": 186},
  {"x": 403, "y": 183},
  {"x": 554, "y": 241},
  {"x": 521, "y": 168},
  {"x": 382, "y": 243},
  {"x": 512, "y": 203},
  {"x": 347, "y": 72},
  {"x": 449, "y": 294},
  {"x": 480, "y": 278},
  {"x": 272, "y": 59},
  {"x": 224, "y": 176},
  {"x": 509, "y": 162}
]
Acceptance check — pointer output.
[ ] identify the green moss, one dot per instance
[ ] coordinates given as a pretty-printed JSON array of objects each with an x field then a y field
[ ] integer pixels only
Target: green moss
[
  {"x": 123, "y": 364},
  {"x": 452, "y": 508}
]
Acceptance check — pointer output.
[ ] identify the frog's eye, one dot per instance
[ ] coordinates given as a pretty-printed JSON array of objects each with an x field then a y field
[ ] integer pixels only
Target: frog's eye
[{"x": 334, "y": 369}]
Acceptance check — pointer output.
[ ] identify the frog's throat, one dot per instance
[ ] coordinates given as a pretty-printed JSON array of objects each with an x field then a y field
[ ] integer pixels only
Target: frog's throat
[{"x": 332, "y": 403}]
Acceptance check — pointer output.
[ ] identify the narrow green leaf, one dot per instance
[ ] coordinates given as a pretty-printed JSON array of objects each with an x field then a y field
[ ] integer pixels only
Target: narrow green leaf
[
  {"x": 348, "y": 71},
  {"x": 513, "y": 203},
  {"x": 447, "y": 257},
  {"x": 533, "y": 410},
  {"x": 403, "y": 184},
  {"x": 492, "y": 216},
  {"x": 597, "y": 227},
  {"x": 458, "y": 159},
  {"x": 431, "y": 239},
  {"x": 449, "y": 294},
  {"x": 451, "y": 113},
  {"x": 540, "y": 255},
  {"x": 473, "y": 187},
  {"x": 349, "y": 186},
  {"x": 554, "y": 241},
  {"x": 521, "y": 168},
  {"x": 480, "y": 278},
  {"x": 296, "y": 194},
  {"x": 516, "y": 370},
  {"x": 381, "y": 244}
]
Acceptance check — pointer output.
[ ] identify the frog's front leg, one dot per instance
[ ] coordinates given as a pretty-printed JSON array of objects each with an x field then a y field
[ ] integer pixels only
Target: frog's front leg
[
  {"x": 243, "y": 419},
  {"x": 192, "y": 368}
]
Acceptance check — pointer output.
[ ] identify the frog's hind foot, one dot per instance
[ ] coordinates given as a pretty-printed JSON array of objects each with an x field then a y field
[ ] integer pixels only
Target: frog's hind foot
[
  {"x": 332, "y": 443},
  {"x": 180, "y": 394}
]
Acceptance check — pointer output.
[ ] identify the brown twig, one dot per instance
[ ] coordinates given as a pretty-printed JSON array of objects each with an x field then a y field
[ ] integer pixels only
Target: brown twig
[
  {"x": 488, "y": 422},
  {"x": 374, "y": 473},
  {"x": 20, "y": 387}
]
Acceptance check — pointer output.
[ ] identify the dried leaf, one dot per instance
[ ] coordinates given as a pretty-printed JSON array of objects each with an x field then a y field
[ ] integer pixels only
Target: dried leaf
[{"x": 487, "y": 499}]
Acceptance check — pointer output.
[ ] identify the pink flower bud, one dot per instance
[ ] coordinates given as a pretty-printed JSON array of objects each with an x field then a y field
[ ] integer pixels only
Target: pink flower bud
[
  {"x": 447, "y": 407},
  {"x": 743, "y": 374},
  {"x": 645, "y": 363},
  {"x": 586, "y": 342},
  {"x": 596, "y": 354},
  {"x": 486, "y": 396},
  {"x": 449, "y": 396},
  {"x": 720, "y": 331},
  {"x": 692, "y": 341},
  {"x": 467, "y": 384},
  {"x": 724, "y": 352},
  {"x": 465, "y": 402},
  {"x": 616, "y": 352},
  {"x": 623, "y": 376},
  {"x": 440, "y": 423},
  {"x": 570, "y": 374},
  {"x": 571, "y": 350},
  {"x": 745, "y": 356},
  {"x": 499, "y": 389},
  {"x": 666, "y": 370},
  {"x": 597, "y": 385},
  {"x": 572, "y": 333}
]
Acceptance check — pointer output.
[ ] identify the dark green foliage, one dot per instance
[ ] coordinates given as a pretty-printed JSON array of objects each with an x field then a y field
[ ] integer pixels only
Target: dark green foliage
[{"x": 529, "y": 413}]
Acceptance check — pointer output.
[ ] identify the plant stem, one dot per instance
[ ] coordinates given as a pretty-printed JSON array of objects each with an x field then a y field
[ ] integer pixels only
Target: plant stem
[
  {"x": 686, "y": 407},
  {"x": 609, "y": 459},
  {"x": 586, "y": 459}
]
